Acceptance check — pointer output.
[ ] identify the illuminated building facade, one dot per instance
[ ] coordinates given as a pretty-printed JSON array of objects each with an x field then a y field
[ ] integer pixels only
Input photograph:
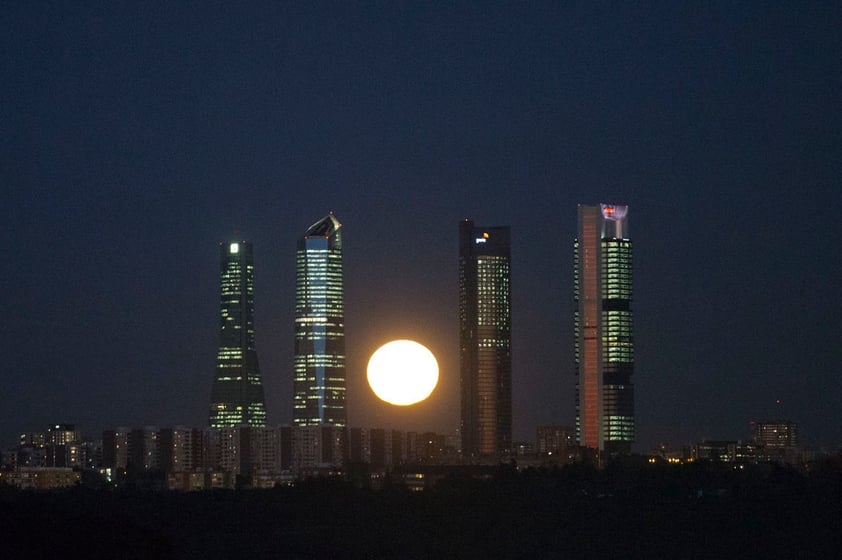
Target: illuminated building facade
[
  {"x": 237, "y": 393},
  {"x": 485, "y": 357},
  {"x": 62, "y": 434},
  {"x": 777, "y": 441},
  {"x": 603, "y": 322},
  {"x": 776, "y": 434},
  {"x": 319, "y": 386}
]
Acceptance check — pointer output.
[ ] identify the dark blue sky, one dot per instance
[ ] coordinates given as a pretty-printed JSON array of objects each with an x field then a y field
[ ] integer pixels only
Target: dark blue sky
[{"x": 134, "y": 137}]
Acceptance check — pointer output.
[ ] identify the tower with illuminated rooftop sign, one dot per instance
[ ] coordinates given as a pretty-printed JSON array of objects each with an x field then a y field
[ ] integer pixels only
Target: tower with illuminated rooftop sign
[
  {"x": 604, "y": 327},
  {"x": 319, "y": 367},
  {"x": 485, "y": 355},
  {"x": 237, "y": 393}
]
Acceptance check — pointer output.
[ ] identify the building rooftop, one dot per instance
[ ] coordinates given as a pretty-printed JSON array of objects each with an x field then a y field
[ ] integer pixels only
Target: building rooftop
[{"x": 325, "y": 227}]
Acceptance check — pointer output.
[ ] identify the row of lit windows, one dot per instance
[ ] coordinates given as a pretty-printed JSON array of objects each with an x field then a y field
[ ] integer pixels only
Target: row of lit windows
[
  {"x": 619, "y": 355},
  {"x": 319, "y": 309},
  {"x": 306, "y": 375},
  {"x": 334, "y": 392},
  {"x": 302, "y": 366},
  {"x": 309, "y": 358},
  {"x": 305, "y": 298},
  {"x": 330, "y": 382},
  {"x": 612, "y": 317},
  {"x": 617, "y": 244},
  {"x": 328, "y": 328},
  {"x": 320, "y": 298},
  {"x": 319, "y": 361},
  {"x": 320, "y": 274},
  {"x": 493, "y": 343},
  {"x": 619, "y": 428}
]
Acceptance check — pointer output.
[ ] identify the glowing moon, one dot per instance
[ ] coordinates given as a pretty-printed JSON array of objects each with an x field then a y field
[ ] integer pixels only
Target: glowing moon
[{"x": 403, "y": 372}]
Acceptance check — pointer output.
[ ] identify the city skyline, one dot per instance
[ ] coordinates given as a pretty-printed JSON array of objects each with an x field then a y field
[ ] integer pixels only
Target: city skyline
[
  {"x": 136, "y": 137},
  {"x": 319, "y": 290}
]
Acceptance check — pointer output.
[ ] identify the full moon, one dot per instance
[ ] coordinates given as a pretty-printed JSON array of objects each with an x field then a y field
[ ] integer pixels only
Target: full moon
[{"x": 403, "y": 372}]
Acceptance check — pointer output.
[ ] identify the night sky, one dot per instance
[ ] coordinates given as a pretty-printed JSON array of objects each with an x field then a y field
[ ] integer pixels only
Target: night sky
[{"x": 134, "y": 137}]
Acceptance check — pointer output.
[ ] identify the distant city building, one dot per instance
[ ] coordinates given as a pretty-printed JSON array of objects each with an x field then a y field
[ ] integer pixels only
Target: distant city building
[
  {"x": 381, "y": 449},
  {"x": 432, "y": 448},
  {"x": 319, "y": 385},
  {"x": 666, "y": 453},
  {"x": 271, "y": 450},
  {"x": 398, "y": 448},
  {"x": 359, "y": 445},
  {"x": 63, "y": 446},
  {"x": 115, "y": 448},
  {"x": 725, "y": 451},
  {"x": 50, "y": 459},
  {"x": 43, "y": 478},
  {"x": 603, "y": 323},
  {"x": 59, "y": 446},
  {"x": 523, "y": 448},
  {"x": 237, "y": 393},
  {"x": 776, "y": 434},
  {"x": 180, "y": 449},
  {"x": 182, "y": 458},
  {"x": 485, "y": 356},
  {"x": 318, "y": 450},
  {"x": 61, "y": 434},
  {"x": 32, "y": 439},
  {"x": 554, "y": 439},
  {"x": 144, "y": 449},
  {"x": 777, "y": 440}
]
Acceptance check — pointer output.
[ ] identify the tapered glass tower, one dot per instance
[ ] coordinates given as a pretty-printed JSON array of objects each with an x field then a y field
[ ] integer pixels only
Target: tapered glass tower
[
  {"x": 485, "y": 356},
  {"x": 319, "y": 387},
  {"x": 237, "y": 393},
  {"x": 604, "y": 329}
]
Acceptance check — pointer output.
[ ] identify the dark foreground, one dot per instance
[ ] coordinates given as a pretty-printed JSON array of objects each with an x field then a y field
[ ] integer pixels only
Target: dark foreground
[{"x": 691, "y": 511}]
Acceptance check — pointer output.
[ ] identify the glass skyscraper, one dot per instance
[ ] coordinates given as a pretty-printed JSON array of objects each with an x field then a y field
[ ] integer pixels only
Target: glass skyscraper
[
  {"x": 485, "y": 357},
  {"x": 237, "y": 393},
  {"x": 604, "y": 329},
  {"x": 319, "y": 387}
]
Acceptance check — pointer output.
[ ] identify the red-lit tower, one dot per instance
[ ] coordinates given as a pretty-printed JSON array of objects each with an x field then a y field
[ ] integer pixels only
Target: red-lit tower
[{"x": 603, "y": 321}]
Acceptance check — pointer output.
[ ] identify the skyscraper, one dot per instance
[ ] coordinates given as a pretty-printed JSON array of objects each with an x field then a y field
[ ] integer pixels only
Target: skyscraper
[
  {"x": 319, "y": 327},
  {"x": 603, "y": 322},
  {"x": 485, "y": 356},
  {"x": 237, "y": 394}
]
